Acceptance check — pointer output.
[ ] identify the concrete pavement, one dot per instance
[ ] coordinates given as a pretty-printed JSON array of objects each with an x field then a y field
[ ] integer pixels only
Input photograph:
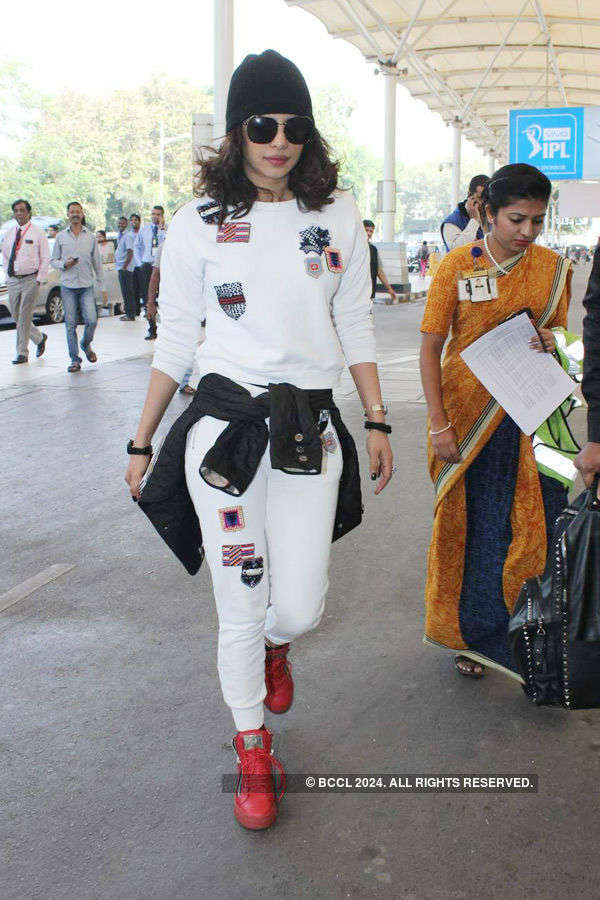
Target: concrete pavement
[{"x": 114, "y": 736}]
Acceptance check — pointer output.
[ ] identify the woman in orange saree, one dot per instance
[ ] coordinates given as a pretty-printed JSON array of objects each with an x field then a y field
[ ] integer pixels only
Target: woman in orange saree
[{"x": 493, "y": 510}]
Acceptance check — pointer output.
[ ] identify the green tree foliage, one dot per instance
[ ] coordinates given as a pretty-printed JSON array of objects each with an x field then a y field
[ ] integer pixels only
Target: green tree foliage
[
  {"x": 359, "y": 167},
  {"x": 17, "y": 105},
  {"x": 423, "y": 198},
  {"x": 102, "y": 151}
]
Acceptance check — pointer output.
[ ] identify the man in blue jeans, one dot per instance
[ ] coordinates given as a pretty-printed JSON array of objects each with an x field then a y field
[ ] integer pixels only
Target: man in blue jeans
[{"x": 77, "y": 256}]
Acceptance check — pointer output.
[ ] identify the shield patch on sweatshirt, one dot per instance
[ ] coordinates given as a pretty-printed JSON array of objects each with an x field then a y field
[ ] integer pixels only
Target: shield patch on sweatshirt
[
  {"x": 334, "y": 260},
  {"x": 252, "y": 571},
  {"x": 313, "y": 266},
  {"x": 231, "y": 299}
]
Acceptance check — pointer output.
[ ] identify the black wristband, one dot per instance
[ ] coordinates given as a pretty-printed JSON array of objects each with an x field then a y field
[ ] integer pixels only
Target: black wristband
[
  {"x": 378, "y": 426},
  {"x": 139, "y": 451}
]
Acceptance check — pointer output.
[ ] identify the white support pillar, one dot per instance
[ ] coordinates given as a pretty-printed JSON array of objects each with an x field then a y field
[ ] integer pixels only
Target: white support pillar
[
  {"x": 456, "y": 148},
  {"x": 389, "y": 156},
  {"x": 161, "y": 165},
  {"x": 223, "y": 47},
  {"x": 491, "y": 164}
]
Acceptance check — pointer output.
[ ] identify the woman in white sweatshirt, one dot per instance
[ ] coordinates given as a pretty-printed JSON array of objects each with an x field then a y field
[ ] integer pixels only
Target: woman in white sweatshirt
[{"x": 260, "y": 473}]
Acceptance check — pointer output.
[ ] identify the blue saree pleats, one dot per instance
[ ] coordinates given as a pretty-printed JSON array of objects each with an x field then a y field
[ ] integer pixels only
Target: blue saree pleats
[{"x": 490, "y": 486}]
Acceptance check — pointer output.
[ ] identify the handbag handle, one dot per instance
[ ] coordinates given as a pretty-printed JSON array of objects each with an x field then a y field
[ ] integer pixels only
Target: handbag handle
[{"x": 594, "y": 500}]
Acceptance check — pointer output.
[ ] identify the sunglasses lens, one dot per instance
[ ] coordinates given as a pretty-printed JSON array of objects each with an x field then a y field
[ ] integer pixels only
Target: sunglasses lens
[
  {"x": 261, "y": 129},
  {"x": 298, "y": 130}
]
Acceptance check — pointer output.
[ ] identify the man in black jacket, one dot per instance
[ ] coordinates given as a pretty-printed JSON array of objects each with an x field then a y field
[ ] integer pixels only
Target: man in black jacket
[{"x": 588, "y": 461}]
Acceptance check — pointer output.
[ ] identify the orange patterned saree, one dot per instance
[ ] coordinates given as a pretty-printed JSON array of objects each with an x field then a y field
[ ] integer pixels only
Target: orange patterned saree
[{"x": 540, "y": 280}]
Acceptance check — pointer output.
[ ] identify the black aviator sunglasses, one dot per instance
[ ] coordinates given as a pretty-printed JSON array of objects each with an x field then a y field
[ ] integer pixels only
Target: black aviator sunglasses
[{"x": 262, "y": 129}]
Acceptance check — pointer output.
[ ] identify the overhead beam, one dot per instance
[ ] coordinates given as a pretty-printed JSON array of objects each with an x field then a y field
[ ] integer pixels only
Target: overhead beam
[
  {"x": 518, "y": 70},
  {"x": 515, "y": 59},
  {"x": 400, "y": 36},
  {"x": 489, "y": 48},
  {"x": 432, "y": 22},
  {"x": 496, "y": 104},
  {"x": 407, "y": 32},
  {"x": 512, "y": 88},
  {"x": 492, "y": 62},
  {"x": 551, "y": 51},
  {"x": 430, "y": 77},
  {"x": 348, "y": 10},
  {"x": 387, "y": 29},
  {"x": 395, "y": 40},
  {"x": 472, "y": 21}
]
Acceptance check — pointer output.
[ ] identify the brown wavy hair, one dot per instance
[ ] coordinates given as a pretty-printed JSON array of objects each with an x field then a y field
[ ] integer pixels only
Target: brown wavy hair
[{"x": 312, "y": 180}]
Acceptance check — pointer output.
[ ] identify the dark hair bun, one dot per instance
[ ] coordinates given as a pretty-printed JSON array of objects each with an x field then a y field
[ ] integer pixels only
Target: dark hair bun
[{"x": 517, "y": 181}]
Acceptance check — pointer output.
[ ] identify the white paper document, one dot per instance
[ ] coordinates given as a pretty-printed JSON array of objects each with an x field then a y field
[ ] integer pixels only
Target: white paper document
[{"x": 528, "y": 385}]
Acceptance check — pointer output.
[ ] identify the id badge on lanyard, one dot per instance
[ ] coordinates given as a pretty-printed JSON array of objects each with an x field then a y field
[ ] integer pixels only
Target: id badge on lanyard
[{"x": 477, "y": 284}]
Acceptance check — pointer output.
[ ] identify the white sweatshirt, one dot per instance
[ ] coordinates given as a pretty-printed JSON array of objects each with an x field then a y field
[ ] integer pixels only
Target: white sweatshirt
[{"x": 285, "y": 293}]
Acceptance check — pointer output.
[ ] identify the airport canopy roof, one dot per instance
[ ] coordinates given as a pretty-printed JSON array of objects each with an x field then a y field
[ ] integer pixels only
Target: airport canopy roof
[{"x": 472, "y": 60}]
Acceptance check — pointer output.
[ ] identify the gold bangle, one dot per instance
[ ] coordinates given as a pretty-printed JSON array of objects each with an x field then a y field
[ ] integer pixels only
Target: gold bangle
[{"x": 442, "y": 430}]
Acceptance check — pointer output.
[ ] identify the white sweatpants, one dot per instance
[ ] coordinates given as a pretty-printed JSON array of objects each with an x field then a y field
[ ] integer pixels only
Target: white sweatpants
[{"x": 268, "y": 553}]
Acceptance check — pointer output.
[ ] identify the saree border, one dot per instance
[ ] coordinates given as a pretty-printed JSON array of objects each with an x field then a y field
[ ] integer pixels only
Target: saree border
[
  {"x": 476, "y": 657},
  {"x": 451, "y": 471}
]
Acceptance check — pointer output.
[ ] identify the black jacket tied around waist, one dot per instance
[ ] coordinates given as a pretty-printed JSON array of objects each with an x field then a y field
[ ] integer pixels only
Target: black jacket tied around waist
[{"x": 295, "y": 448}]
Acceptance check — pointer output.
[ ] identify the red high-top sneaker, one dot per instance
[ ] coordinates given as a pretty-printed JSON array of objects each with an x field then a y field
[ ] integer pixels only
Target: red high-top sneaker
[
  {"x": 255, "y": 804},
  {"x": 278, "y": 678}
]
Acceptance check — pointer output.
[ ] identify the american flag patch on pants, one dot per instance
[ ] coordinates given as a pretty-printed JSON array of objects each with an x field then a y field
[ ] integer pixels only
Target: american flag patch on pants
[
  {"x": 234, "y": 232},
  {"x": 235, "y": 554}
]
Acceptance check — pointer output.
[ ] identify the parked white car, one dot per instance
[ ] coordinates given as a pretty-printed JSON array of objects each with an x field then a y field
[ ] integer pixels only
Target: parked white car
[{"x": 49, "y": 303}]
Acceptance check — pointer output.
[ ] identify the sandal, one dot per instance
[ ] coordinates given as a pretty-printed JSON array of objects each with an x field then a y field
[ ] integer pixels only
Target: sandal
[{"x": 461, "y": 662}]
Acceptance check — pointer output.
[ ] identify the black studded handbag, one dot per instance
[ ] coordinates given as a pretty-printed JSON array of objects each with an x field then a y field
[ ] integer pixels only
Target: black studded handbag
[{"x": 554, "y": 631}]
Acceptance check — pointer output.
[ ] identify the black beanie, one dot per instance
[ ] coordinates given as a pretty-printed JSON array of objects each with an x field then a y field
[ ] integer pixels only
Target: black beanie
[{"x": 268, "y": 83}]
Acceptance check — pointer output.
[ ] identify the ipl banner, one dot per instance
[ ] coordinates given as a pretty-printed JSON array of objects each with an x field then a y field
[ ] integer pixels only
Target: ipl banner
[{"x": 563, "y": 142}]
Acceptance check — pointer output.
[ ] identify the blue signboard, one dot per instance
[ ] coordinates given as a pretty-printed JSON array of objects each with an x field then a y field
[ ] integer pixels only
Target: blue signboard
[
  {"x": 550, "y": 139},
  {"x": 591, "y": 143}
]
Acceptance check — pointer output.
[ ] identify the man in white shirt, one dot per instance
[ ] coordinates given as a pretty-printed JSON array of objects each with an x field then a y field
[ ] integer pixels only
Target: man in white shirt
[
  {"x": 464, "y": 224},
  {"x": 25, "y": 258},
  {"x": 124, "y": 266},
  {"x": 149, "y": 239},
  {"x": 135, "y": 224}
]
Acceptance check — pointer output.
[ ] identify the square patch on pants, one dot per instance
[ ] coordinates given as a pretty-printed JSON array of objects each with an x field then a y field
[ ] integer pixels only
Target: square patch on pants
[
  {"x": 232, "y": 518},
  {"x": 235, "y": 554}
]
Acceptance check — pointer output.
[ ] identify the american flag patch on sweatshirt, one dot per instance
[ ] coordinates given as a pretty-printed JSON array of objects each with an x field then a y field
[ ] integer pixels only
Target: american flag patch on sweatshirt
[
  {"x": 234, "y": 233},
  {"x": 235, "y": 554}
]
